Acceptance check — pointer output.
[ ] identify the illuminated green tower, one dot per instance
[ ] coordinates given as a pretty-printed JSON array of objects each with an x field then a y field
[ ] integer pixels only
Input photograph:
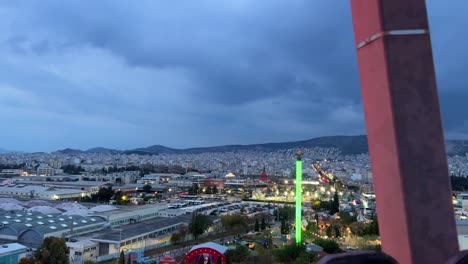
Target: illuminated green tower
[{"x": 299, "y": 197}]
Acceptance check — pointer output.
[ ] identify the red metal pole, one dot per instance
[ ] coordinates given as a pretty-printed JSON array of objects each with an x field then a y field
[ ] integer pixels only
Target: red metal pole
[{"x": 404, "y": 128}]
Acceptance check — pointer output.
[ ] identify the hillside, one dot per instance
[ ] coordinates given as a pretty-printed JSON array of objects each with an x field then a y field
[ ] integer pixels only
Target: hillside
[{"x": 347, "y": 145}]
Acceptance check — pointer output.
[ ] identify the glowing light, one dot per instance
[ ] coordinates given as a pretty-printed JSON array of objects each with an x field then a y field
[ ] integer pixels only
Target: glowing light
[{"x": 298, "y": 201}]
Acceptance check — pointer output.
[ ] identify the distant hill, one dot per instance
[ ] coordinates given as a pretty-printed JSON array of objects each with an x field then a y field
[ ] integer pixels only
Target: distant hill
[
  {"x": 69, "y": 151},
  {"x": 347, "y": 144},
  {"x": 104, "y": 151},
  {"x": 157, "y": 149}
]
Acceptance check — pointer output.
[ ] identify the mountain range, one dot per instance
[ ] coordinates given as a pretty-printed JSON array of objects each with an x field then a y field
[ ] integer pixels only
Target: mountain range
[{"x": 347, "y": 145}]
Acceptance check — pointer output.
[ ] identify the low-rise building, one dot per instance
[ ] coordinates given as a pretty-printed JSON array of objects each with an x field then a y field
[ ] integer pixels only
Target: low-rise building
[
  {"x": 13, "y": 172},
  {"x": 40, "y": 192},
  {"x": 12, "y": 253},
  {"x": 31, "y": 228},
  {"x": 45, "y": 170}
]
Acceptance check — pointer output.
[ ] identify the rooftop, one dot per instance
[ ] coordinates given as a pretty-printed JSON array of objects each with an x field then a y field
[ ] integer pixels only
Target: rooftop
[
  {"x": 134, "y": 230},
  {"x": 12, "y": 247}
]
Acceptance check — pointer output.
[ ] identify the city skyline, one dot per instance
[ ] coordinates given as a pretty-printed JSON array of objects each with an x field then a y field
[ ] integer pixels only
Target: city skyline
[{"x": 188, "y": 75}]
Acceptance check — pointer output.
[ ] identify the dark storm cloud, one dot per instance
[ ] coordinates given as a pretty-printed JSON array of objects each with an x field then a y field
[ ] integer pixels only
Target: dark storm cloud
[{"x": 256, "y": 70}]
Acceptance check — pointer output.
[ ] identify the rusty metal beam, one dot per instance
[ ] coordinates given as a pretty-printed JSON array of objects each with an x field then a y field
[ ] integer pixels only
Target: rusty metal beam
[{"x": 404, "y": 129}]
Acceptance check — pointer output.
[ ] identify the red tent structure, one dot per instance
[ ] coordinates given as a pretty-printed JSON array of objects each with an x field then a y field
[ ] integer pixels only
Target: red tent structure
[
  {"x": 167, "y": 260},
  {"x": 210, "y": 252}
]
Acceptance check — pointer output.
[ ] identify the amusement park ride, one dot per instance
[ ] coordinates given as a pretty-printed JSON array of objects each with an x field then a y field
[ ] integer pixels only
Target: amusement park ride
[{"x": 405, "y": 136}]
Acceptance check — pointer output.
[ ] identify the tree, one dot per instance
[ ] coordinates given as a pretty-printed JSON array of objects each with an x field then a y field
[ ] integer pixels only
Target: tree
[
  {"x": 52, "y": 251},
  {"x": 214, "y": 190},
  {"x": 263, "y": 226},
  {"x": 335, "y": 206},
  {"x": 284, "y": 227},
  {"x": 122, "y": 257},
  {"x": 365, "y": 229},
  {"x": 129, "y": 259},
  {"x": 103, "y": 195},
  {"x": 328, "y": 246},
  {"x": 195, "y": 189},
  {"x": 328, "y": 231},
  {"x": 346, "y": 219},
  {"x": 289, "y": 253},
  {"x": 72, "y": 169},
  {"x": 29, "y": 260},
  {"x": 257, "y": 225},
  {"x": 286, "y": 213},
  {"x": 183, "y": 231},
  {"x": 147, "y": 188},
  {"x": 358, "y": 228},
  {"x": 374, "y": 226},
  {"x": 234, "y": 222},
  {"x": 175, "y": 238},
  {"x": 236, "y": 255},
  {"x": 337, "y": 231},
  {"x": 200, "y": 223}
]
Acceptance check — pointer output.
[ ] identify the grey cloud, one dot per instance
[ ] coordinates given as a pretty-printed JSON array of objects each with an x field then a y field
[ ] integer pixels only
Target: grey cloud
[{"x": 255, "y": 70}]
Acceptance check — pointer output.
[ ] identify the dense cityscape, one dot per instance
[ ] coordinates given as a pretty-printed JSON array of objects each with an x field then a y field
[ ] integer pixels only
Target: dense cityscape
[
  {"x": 153, "y": 208},
  {"x": 233, "y": 132}
]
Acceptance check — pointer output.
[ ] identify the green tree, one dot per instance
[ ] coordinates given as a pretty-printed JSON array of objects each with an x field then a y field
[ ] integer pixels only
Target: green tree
[
  {"x": 286, "y": 213},
  {"x": 237, "y": 255},
  {"x": 329, "y": 231},
  {"x": 103, "y": 195},
  {"x": 175, "y": 238},
  {"x": 122, "y": 257},
  {"x": 147, "y": 188},
  {"x": 263, "y": 226},
  {"x": 284, "y": 227},
  {"x": 52, "y": 251},
  {"x": 29, "y": 260},
  {"x": 328, "y": 246},
  {"x": 346, "y": 219},
  {"x": 199, "y": 224},
  {"x": 335, "y": 205},
  {"x": 257, "y": 225},
  {"x": 289, "y": 253},
  {"x": 358, "y": 228},
  {"x": 373, "y": 228},
  {"x": 183, "y": 231},
  {"x": 234, "y": 222},
  {"x": 337, "y": 231},
  {"x": 195, "y": 189}
]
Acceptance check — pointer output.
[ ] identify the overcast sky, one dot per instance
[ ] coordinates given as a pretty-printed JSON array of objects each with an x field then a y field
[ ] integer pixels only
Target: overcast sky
[{"x": 196, "y": 73}]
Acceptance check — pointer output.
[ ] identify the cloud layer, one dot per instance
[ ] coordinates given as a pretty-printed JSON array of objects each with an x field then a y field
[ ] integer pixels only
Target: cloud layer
[{"x": 195, "y": 73}]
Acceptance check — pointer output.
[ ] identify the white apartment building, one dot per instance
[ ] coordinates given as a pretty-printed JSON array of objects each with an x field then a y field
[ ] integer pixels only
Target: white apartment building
[
  {"x": 11, "y": 172},
  {"x": 45, "y": 170}
]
